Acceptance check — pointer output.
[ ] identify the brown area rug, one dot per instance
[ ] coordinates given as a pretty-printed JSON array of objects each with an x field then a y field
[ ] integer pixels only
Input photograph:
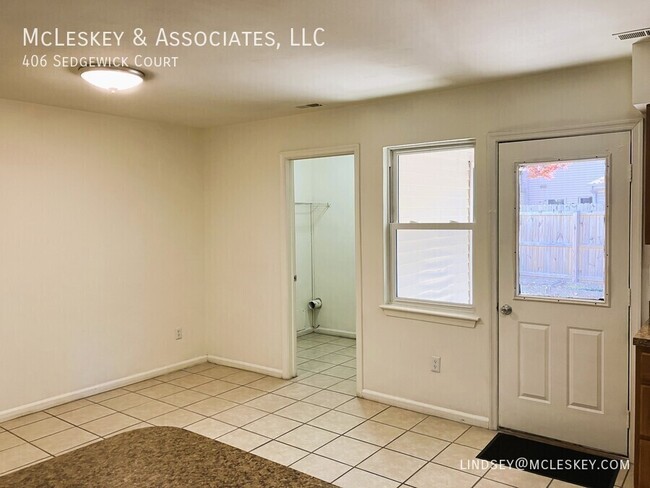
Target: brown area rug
[{"x": 159, "y": 457}]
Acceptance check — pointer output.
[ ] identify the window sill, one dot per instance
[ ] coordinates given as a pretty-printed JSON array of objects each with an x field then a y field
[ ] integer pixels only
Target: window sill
[{"x": 458, "y": 319}]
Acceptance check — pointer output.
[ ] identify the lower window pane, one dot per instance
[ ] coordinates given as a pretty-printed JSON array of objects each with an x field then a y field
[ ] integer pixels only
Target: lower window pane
[{"x": 434, "y": 265}]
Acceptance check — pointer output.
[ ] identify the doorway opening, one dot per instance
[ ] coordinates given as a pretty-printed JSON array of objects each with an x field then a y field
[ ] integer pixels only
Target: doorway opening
[
  {"x": 324, "y": 246},
  {"x": 322, "y": 210}
]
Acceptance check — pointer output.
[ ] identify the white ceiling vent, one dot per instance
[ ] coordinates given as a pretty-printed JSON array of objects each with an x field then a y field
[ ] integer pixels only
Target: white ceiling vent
[{"x": 633, "y": 34}]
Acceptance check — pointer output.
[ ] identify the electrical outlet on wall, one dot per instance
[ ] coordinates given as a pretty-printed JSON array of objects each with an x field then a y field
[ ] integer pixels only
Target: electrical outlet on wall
[
  {"x": 435, "y": 364},
  {"x": 179, "y": 334}
]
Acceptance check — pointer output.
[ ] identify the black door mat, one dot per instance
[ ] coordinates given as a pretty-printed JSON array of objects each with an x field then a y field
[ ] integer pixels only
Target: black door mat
[{"x": 552, "y": 461}]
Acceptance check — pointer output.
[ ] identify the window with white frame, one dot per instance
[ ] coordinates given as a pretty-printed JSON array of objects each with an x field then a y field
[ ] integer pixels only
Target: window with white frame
[{"x": 431, "y": 223}]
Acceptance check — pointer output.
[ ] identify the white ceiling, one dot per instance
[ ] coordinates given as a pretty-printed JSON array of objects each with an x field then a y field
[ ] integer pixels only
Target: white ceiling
[{"x": 374, "y": 48}]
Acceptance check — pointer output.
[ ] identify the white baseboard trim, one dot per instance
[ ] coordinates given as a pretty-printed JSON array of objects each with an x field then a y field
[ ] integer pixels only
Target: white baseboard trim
[
  {"x": 445, "y": 413},
  {"x": 256, "y": 368},
  {"x": 335, "y": 332},
  {"x": 93, "y": 390}
]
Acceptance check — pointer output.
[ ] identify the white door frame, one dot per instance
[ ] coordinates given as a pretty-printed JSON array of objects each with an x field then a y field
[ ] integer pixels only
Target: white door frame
[
  {"x": 288, "y": 254},
  {"x": 635, "y": 128}
]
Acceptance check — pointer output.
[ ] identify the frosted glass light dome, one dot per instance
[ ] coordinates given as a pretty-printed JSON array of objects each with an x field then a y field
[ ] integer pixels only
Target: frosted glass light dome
[{"x": 113, "y": 79}]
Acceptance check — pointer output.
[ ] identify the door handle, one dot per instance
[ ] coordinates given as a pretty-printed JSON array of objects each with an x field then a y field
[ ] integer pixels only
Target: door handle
[{"x": 506, "y": 309}]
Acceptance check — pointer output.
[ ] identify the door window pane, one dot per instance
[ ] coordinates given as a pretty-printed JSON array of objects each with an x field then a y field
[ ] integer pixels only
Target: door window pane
[
  {"x": 435, "y": 186},
  {"x": 434, "y": 265},
  {"x": 562, "y": 232}
]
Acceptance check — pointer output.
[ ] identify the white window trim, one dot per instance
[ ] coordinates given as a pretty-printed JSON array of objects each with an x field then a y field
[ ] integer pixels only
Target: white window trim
[
  {"x": 428, "y": 311},
  {"x": 431, "y": 315}
]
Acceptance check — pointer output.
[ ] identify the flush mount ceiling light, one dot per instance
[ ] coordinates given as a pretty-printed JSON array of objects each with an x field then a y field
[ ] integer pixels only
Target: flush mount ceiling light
[{"x": 112, "y": 78}]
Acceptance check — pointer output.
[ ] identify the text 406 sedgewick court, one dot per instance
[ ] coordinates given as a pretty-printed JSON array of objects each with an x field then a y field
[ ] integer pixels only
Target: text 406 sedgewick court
[{"x": 61, "y": 61}]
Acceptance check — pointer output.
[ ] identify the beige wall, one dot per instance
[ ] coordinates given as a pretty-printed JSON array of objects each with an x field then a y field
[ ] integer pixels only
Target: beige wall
[
  {"x": 245, "y": 208},
  {"x": 103, "y": 229},
  {"x": 101, "y": 249}
]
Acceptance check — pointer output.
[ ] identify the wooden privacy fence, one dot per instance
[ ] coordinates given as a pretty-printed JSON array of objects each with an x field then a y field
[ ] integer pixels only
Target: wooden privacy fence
[{"x": 563, "y": 242}]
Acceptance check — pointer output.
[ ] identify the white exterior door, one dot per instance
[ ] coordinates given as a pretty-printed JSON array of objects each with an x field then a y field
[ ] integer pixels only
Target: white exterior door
[{"x": 564, "y": 288}]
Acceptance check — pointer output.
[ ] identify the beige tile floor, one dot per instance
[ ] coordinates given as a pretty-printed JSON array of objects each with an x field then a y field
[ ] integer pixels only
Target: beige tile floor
[{"x": 313, "y": 423}]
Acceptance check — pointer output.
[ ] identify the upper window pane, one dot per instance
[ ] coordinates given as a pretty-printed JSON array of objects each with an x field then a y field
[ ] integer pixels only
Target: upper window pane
[{"x": 435, "y": 186}]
